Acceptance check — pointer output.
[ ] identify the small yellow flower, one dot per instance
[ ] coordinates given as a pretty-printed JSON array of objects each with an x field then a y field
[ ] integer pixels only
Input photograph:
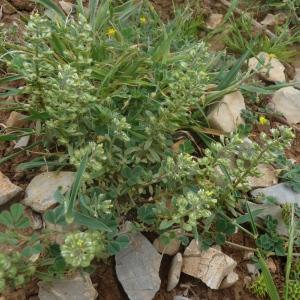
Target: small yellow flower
[
  {"x": 271, "y": 55},
  {"x": 143, "y": 20},
  {"x": 263, "y": 120},
  {"x": 111, "y": 32}
]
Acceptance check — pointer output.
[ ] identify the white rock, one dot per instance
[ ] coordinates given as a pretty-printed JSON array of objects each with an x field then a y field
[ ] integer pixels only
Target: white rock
[
  {"x": 252, "y": 269},
  {"x": 281, "y": 192},
  {"x": 268, "y": 177},
  {"x": 286, "y": 101},
  {"x": 214, "y": 21},
  {"x": 270, "y": 68},
  {"x": 210, "y": 266},
  {"x": 40, "y": 191},
  {"x": 66, "y": 6},
  {"x": 22, "y": 142},
  {"x": 229, "y": 280},
  {"x": 137, "y": 268},
  {"x": 226, "y": 115},
  {"x": 269, "y": 20},
  {"x": 175, "y": 271},
  {"x": 248, "y": 255},
  {"x": 297, "y": 78},
  {"x": 8, "y": 190},
  {"x": 77, "y": 288},
  {"x": 171, "y": 249}
]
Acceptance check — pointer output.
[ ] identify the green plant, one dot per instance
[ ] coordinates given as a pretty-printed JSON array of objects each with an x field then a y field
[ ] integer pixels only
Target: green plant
[{"x": 258, "y": 286}]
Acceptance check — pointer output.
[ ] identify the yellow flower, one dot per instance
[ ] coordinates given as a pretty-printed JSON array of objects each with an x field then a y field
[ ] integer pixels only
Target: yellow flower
[
  {"x": 263, "y": 120},
  {"x": 111, "y": 32},
  {"x": 271, "y": 55},
  {"x": 143, "y": 20}
]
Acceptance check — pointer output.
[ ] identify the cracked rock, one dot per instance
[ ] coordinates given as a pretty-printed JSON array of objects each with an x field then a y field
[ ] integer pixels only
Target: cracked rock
[
  {"x": 77, "y": 288},
  {"x": 175, "y": 271},
  {"x": 268, "y": 67},
  {"x": 8, "y": 190},
  {"x": 211, "y": 266},
  {"x": 226, "y": 115},
  {"x": 40, "y": 191},
  {"x": 137, "y": 268},
  {"x": 286, "y": 101}
]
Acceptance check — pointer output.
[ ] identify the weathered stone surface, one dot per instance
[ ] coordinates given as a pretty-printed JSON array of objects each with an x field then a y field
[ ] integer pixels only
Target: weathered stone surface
[
  {"x": 268, "y": 177},
  {"x": 36, "y": 221},
  {"x": 226, "y": 115},
  {"x": 286, "y": 101},
  {"x": 281, "y": 192},
  {"x": 297, "y": 78},
  {"x": 210, "y": 266},
  {"x": 77, "y": 288},
  {"x": 175, "y": 271},
  {"x": 229, "y": 280},
  {"x": 181, "y": 298},
  {"x": 171, "y": 249},
  {"x": 66, "y": 6},
  {"x": 252, "y": 269},
  {"x": 16, "y": 120},
  {"x": 8, "y": 190},
  {"x": 22, "y": 142},
  {"x": 40, "y": 191},
  {"x": 137, "y": 268},
  {"x": 269, "y": 67},
  {"x": 214, "y": 20}
]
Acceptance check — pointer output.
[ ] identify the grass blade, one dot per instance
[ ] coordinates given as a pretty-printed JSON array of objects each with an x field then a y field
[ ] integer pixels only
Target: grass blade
[{"x": 50, "y": 4}]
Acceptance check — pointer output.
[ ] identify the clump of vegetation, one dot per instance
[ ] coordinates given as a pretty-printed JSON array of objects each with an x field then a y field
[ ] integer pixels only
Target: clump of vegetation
[{"x": 258, "y": 286}]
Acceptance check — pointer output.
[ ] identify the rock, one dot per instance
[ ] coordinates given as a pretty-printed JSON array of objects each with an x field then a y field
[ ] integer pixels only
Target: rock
[
  {"x": 273, "y": 210},
  {"x": 248, "y": 255},
  {"x": 226, "y": 115},
  {"x": 137, "y": 268},
  {"x": 286, "y": 101},
  {"x": 40, "y": 191},
  {"x": 181, "y": 298},
  {"x": 210, "y": 266},
  {"x": 66, "y": 6},
  {"x": 22, "y": 142},
  {"x": 268, "y": 177},
  {"x": 252, "y": 269},
  {"x": 297, "y": 78},
  {"x": 35, "y": 219},
  {"x": 229, "y": 280},
  {"x": 8, "y": 190},
  {"x": 281, "y": 192},
  {"x": 214, "y": 21},
  {"x": 77, "y": 288},
  {"x": 171, "y": 249},
  {"x": 16, "y": 120},
  {"x": 273, "y": 20},
  {"x": 269, "y": 67},
  {"x": 175, "y": 271},
  {"x": 271, "y": 265}
]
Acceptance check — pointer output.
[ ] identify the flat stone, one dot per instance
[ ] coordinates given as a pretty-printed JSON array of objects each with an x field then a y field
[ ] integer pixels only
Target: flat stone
[
  {"x": 297, "y": 78},
  {"x": 22, "y": 142},
  {"x": 214, "y": 20},
  {"x": 16, "y": 119},
  {"x": 40, "y": 191},
  {"x": 286, "y": 101},
  {"x": 171, "y": 249},
  {"x": 268, "y": 177},
  {"x": 77, "y": 288},
  {"x": 211, "y": 266},
  {"x": 226, "y": 115},
  {"x": 229, "y": 280},
  {"x": 137, "y": 268},
  {"x": 8, "y": 190},
  {"x": 281, "y": 192},
  {"x": 175, "y": 271},
  {"x": 269, "y": 67}
]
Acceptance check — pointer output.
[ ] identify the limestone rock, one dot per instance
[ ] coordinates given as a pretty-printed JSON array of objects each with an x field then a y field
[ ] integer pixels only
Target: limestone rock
[
  {"x": 229, "y": 280},
  {"x": 40, "y": 191},
  {"x": 268, "y": 177},
  {"x": 175, "y": 271},
  {"x": 281, "y": 192},
  {"x": 273, "y": 20},
  {"x": 77, "y": 288},
  {"x": 226, "y": 115},
  {"x": 16, "y": 119},
  {"x": 8, "y": 190},
  {"x": 66, "y": 6},
  {"x": 270, "y": 68},
  {"x": 171, "y": 249},
  {"x": 214, "y": 21},
  {"x": 286, "y": 101},
  {"x": 210, "y": 266},
  {"x": 137, "y": 268}
]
